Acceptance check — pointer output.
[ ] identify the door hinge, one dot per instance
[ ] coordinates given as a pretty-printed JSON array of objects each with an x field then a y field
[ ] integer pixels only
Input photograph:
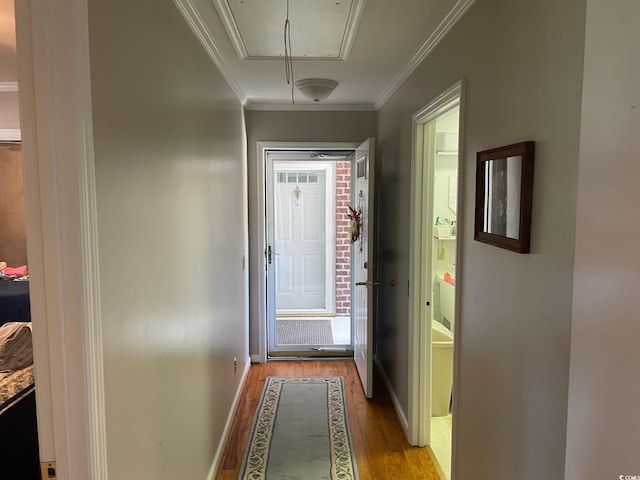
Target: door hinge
[{"x": 48, "y": 470}]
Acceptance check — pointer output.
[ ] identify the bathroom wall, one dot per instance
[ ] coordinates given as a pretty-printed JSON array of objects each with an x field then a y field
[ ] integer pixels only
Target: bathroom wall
[
  {"x": 445, "y": 165},
  {"x": 522, "y": 64}
]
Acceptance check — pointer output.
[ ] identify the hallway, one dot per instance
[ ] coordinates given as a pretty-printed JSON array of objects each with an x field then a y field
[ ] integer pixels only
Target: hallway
[{"x": 382, "y": 451}]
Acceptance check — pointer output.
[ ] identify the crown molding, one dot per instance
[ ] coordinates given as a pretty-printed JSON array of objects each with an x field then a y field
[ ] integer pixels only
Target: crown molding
[
  {"x": 353, "y": 22},
  {"x": 10, "y": 135},
  {"x": 311, "y": 107},
  {"x": 193, "y": 18},
  {"x": 456, "y": 13},
  {"x": 230, "y": 25},
  {"x": 8, "y": 86},
  {"x": 226, "y": 15}
]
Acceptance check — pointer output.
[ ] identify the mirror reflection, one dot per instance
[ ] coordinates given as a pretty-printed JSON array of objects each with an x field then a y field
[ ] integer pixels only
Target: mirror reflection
[{"x": 502, "y": 186}]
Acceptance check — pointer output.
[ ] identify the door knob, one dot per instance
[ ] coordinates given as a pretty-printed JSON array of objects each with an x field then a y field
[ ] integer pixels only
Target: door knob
[{"x": 367, "y": 284}]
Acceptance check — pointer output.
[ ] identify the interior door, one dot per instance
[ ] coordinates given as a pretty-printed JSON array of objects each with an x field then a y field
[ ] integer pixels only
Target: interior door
[{"x": 364, "y": 269}]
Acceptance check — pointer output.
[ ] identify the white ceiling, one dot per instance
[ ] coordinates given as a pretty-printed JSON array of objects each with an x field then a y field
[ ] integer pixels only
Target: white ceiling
[
  {"x": 256, "y": 29},
  {"x": 372, "y": 46}
]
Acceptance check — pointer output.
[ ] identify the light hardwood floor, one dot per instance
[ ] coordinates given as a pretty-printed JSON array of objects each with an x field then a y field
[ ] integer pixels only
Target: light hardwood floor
[{"x": 382, "y": 451}]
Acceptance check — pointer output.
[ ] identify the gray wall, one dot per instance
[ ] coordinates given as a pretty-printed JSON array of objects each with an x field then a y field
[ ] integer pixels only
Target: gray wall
[
  {"x": 286, "y": 126},
  {"x": 169, "y": 138},
  {"x": 522, "y": 62},
  {"x": 603, "y": 432}
]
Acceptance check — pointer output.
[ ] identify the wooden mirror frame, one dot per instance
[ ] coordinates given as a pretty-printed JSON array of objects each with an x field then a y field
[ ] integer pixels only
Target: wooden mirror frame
[{"x": 521, "y": 244}]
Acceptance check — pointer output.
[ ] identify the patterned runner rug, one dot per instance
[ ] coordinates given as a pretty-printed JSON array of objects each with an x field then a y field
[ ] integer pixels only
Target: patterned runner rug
[{"x": 300, "y": 431}]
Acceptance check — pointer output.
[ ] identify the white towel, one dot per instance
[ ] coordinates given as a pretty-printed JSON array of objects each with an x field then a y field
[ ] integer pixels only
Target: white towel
[{"x": 16, "y": 347}]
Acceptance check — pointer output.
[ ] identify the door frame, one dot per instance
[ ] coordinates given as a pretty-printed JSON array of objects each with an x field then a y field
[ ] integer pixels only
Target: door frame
[
  {"x": 421, "y": 234},
  {"x": 61, "y": 224},
  {"x": 260, "y": 250}
]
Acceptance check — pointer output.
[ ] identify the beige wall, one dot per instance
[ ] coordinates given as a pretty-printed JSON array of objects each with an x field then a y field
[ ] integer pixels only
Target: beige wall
[
  {"x": 9, "y": 116},
  {"x": 288, "y": 126},
  {"x": 13, "y": 237},
  {"x": 522, "y": 62},
  {"x": 603, "y": 433},
  {"x": 169, "y": 140}
]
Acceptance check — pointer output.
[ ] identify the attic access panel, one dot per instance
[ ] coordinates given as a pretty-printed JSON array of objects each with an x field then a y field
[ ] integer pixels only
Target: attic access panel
[{"x": 320, "y": 29}]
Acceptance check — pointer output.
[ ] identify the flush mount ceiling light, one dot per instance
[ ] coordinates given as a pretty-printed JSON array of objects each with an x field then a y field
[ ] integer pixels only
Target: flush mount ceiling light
[{"x": 316, "y": 89}]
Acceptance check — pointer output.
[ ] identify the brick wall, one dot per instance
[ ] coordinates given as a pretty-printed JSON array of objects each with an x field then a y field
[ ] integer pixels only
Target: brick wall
[{"x": 343, "y": 247}]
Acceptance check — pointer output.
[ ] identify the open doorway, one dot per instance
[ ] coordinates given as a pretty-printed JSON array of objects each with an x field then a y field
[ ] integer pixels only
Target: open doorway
[
  {"x": 435, "y": 269},
  {"x": 308, "y": 193},
  {"x": 19, "y": 455}
]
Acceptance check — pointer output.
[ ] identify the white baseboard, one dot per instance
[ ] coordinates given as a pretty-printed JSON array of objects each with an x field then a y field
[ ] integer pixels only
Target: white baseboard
[
  {"x": 394, "y": 398},
  {"x": 215, "y": 465},
  {"x": 255, "y": 358},
  {"x": 10, "y": 134}
]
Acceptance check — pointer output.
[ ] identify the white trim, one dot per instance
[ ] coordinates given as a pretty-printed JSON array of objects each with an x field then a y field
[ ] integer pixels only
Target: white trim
[
  {"x": 260, "y": 208},
  {"x": 420, "y": 246},
  {"x": 61, "y": 234},
  {"x": 455, "y": 14},
  {"x": 235, "y": 36},
  {"x": 215, "y": 464},
  {"x": 310, "y": 107},
  {"x": 203, "y": 34},
  {"x": 419, "y": 381},
  {"x": 394, "y": 398},
  {"x": 230, "y": 25},
  {"x": 350, "y": 31},
  {"x": 256, "y": 359},
  {"x": 10, "y": 135},
  {"x": 8, "y": 86}
]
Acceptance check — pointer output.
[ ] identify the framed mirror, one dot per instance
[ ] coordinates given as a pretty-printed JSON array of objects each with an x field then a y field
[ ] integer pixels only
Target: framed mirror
[{"x": 504, "y": 191}]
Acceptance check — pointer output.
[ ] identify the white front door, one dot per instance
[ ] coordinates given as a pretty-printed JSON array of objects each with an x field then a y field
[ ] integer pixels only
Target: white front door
[
  {"x": 303, "y": 230},
  {"x": 364, "y": 269},
  {"x": 300, "y": 239}
]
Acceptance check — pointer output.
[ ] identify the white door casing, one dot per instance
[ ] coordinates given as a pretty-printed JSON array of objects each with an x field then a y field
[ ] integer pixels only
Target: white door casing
[
  {"x": 421, "y": 238},
  {"x": 57, "y": 136},
  {"x": 364, "y": 268}
]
